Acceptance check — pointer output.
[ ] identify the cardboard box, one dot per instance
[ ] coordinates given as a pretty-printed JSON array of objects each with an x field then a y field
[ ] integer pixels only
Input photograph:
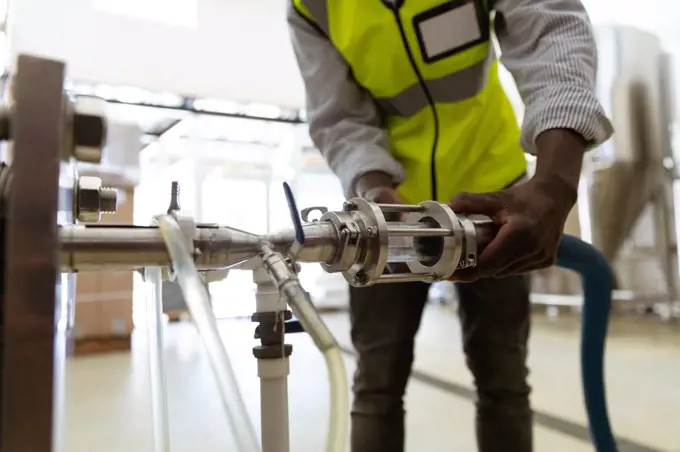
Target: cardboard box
[{"x": 103, "y": 305}]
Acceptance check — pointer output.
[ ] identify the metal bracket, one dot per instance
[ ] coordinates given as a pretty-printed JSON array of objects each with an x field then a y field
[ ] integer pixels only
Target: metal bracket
[{"x": 304, "y": 213}]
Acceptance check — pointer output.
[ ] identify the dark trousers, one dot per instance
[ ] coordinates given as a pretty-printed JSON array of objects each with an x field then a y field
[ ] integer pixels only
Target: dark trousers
[{"x": 495, "y": 319}]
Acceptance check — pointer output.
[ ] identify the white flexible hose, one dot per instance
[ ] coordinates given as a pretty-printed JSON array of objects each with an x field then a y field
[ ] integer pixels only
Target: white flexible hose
[
  {"x": 198, "y": 302},
  {"x": 338, "y": 427}
]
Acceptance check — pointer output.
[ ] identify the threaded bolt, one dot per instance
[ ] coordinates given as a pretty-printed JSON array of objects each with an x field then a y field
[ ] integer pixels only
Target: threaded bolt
[
  {"x": 174, "y": 197},
  {"x": 359, "y": 278},
  {"x": 349, "y": 206},
  {"x": 108, "y": 200},
  {"x": 92, "y": 199}
]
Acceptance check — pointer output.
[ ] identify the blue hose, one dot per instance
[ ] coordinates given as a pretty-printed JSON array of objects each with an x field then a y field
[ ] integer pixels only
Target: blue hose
[{"x": 598, "y": 282}]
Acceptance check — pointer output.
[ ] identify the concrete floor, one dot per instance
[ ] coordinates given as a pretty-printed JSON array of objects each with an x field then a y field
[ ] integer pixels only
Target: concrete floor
[{"x": 108, "y": 401}]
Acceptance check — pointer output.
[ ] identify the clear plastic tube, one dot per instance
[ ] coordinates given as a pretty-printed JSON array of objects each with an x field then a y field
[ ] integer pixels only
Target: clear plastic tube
[
  {"x": 198, "y": 302},
  {"x": 338, "y": 427},
  {"x": 153, "y": 279},
  {"x": 339, "y": 412},
  {"x": 303, "y": 308}
]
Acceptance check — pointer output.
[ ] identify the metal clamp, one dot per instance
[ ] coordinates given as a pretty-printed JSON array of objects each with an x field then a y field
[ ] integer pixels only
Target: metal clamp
[{"x": 469, "y": 255}]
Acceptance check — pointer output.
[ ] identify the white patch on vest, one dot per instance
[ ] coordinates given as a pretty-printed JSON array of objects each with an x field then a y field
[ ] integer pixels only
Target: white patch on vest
[{"x": 450, "y": 30}]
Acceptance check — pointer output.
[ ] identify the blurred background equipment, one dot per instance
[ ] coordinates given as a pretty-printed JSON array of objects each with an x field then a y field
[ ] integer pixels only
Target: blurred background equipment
[{"x": 627, "y": 203}]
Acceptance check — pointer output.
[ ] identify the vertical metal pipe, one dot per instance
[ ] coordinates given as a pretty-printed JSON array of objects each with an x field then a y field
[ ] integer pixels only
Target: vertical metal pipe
[
  {"x": 154, "y": 321},
  {"x": 665, "y": 234},
  {"x": 268, "y": 204},
  {"x": 65, "y": 288}
]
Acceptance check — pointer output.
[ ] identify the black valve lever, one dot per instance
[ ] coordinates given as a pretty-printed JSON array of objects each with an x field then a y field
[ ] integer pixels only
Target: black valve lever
[
  {"x": 294, "y": 214},
  {"x": 289, "y": 327}
]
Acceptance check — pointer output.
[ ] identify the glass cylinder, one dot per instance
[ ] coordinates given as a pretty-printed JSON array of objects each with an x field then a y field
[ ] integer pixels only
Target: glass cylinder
[
  {"x": 401, "y": 250},
  {"x": 416, "y": 241}
]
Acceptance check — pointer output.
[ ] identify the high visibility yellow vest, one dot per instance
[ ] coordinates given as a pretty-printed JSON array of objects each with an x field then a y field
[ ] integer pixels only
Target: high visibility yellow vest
[{"x": 431, "y": 66}]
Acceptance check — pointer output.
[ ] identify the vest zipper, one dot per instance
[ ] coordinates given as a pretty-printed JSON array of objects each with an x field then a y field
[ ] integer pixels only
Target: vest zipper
[{"x": 433, "y": 165}]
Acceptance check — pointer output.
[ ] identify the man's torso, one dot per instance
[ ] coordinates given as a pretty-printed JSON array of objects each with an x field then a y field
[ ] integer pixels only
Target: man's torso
[{"x": 430, "y": 66}]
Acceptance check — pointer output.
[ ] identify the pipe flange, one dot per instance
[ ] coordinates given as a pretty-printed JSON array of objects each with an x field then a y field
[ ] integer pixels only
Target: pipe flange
[
  {"x": 373, "y": 243},
  {"x": 440, "y": 215}
]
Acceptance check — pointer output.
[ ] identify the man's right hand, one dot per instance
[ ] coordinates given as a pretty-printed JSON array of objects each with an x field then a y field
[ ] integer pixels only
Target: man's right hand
[
  {"x": 382, "y": 195},
  {"x": 378, "y": 187}
]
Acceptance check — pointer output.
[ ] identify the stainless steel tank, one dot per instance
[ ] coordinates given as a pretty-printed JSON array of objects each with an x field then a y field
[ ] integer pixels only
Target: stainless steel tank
[
  {"x": 625, "y": 172},
  {"x": 628, "y": 202}
]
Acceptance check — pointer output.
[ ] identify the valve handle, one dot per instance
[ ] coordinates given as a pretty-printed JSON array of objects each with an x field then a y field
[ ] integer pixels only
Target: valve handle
[{"x": 294, "y": 214}]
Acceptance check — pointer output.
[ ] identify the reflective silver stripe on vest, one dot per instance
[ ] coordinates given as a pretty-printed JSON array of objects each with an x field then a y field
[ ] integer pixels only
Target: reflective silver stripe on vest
[
  {"x": 319, "y": 12},
  {"x": 451, "y": 88}
]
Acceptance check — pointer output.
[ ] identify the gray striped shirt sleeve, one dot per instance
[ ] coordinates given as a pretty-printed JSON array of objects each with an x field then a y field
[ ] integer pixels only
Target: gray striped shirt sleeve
[
  {"x": 344, "y": 122},
  {"x": 549, "y": 48}
]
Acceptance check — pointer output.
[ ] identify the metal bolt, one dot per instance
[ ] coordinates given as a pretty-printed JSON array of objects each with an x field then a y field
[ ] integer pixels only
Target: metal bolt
[
  {"x": 108, "y": 200},
  {"x": 93, "y": 200},
  {"x": 370, "y": 231},
  {"x": 89, "y": 128},
  {"x": 349, "y": 206},
  {"x": 359, "y": 278}
]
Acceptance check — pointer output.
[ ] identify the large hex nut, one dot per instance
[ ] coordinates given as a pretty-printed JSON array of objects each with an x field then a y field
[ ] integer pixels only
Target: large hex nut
[
  {"x": 92, "y": 199},
  {"x": 89, "y": 128}
]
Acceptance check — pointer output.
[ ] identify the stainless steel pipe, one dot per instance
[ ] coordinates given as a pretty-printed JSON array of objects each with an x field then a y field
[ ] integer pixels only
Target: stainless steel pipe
[
  {"x": 113, "y": 248},
  {"x": 87, "y": 248}
]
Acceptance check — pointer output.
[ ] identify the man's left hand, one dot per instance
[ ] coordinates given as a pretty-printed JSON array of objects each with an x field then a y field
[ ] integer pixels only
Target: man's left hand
[
  {"x": 530, "y": 216},
  {"x": 531, "y": 219}
]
